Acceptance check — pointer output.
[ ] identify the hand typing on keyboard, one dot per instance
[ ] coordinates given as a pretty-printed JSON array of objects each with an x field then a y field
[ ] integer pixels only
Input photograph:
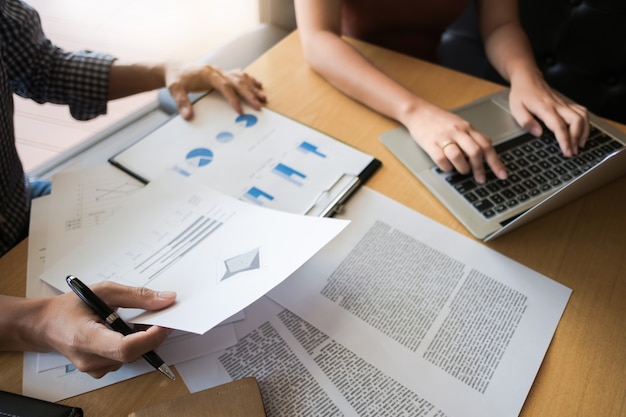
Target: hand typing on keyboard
[
  {"x": 531, "y": 99},
  {"x": 453, "y": 143},
  {"x": 536, "y": 167}
]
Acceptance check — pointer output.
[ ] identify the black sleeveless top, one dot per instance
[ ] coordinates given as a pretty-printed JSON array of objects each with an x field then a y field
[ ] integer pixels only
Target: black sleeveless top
[{"x": 408, "y": 26}]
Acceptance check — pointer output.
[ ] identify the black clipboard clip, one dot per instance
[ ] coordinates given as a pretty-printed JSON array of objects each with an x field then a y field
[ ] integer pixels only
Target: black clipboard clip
[{"x": 331, "y": 200}]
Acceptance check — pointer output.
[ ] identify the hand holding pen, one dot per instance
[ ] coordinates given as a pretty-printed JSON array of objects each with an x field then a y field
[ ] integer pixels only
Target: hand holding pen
[
  {"x": 114, "y": 321},
  {"x": 69, "y": 327}
]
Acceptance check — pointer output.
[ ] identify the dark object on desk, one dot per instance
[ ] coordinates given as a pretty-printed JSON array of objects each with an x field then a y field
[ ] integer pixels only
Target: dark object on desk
[
  {"x": 241, "y": 398},
  {"x": 580, "y": 47},
  {"x": 15, "y": 405}
]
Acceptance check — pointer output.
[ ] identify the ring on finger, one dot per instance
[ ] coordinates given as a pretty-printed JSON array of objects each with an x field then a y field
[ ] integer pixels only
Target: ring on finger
[{"x": 446, "y": 143}]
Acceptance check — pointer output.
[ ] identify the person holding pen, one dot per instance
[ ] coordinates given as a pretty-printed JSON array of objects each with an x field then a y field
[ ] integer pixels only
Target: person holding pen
[
  {"x": 33, "y": 67},
  {"x": 415, "y": 28},
  {"x": 65, "y": 324}
]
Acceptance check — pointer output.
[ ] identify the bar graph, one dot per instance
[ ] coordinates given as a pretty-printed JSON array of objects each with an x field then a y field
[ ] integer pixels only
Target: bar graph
[
  {"x": 289, "y": 174},
  {"x": 309, "y": 148},
  {"x": 257, "y": 196}
]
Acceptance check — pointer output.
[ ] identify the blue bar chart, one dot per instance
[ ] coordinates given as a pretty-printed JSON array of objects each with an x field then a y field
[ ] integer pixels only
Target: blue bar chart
[
  {"x": 307, "y": 147},
  {"x": 289, "y": 174},
  {"x": 257, "y": 196},
  {"x": 259, "y": 157}
]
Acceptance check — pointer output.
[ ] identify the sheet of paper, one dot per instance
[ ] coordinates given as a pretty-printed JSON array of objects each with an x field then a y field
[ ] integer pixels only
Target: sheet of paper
[
  {"x": 218, "y": 253},
  {"x": 301, "y": 371},
  {"x": 51, "y": 376},
  {"x": 423, "y": 322},
  {"x": 178, "y": 347},
  {"x": 82, "y": 201},
  {"x": 446, "y": 317},
  {"x": 260, "y": 156},
  {"x": 66, "y": 381},
  {"x": 37, "y": 249}
]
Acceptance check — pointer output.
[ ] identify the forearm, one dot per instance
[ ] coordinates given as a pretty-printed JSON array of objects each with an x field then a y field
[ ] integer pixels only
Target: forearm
[
  {"x": 531, "y": 97},
  {"x": 510, "y": 53},
  {"x": 127, "y": 79},
  {"x": 21, "y": 323},
  {"x": 506, "y": 43},
  {"x": 351, "y": 73}
]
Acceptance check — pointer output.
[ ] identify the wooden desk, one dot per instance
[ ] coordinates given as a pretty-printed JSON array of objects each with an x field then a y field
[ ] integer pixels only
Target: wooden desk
[{"x": 582, "y": 245}]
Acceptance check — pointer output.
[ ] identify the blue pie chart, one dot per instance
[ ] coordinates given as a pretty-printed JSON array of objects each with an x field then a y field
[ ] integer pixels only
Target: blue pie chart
[
  {"x": 246, "y": 120},
  {"x": 224, "y": 137},
  {"x": 199, "y": 157}
]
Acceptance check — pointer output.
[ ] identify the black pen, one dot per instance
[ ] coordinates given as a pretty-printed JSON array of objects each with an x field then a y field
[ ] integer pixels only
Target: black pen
[{"x": 113, "y": 320}]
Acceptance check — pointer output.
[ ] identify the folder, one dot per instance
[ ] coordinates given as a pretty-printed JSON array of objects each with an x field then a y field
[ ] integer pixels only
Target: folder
[
  {"x": 240, "y": 398},
  {"x": 261, "y": 157}
]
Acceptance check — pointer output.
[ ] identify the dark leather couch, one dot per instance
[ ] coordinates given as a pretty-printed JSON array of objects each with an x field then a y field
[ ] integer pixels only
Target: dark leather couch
[{"x": 580, "y": 46}]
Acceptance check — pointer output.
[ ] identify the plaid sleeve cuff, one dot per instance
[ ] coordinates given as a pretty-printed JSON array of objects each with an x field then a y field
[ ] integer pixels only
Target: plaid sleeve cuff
[{"x": 87, "y": 83}]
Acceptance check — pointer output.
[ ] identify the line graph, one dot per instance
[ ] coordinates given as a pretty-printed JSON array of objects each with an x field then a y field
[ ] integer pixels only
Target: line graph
[{"x": 96, "y": 202}]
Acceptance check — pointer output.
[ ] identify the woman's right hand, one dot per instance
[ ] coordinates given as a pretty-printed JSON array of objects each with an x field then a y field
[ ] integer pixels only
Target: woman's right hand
[{"x": 452, "y": 142}]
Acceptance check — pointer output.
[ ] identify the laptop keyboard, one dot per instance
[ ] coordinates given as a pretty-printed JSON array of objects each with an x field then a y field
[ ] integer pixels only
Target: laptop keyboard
[{"x": 535, "y": 166}]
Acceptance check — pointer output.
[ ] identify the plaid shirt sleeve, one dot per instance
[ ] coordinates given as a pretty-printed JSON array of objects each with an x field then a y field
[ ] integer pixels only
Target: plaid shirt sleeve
[
  {"x": 31, "y": 66},
  {"x": 39, "y": 70}
]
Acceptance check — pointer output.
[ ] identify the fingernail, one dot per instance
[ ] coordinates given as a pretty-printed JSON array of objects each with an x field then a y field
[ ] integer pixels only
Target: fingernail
[
  {"x": 166, "y": 294},
  {"x": 536, "y": 131}
]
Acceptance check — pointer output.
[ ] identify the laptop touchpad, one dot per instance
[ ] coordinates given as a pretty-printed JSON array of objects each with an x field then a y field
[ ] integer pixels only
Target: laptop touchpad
[{"x": 489, "y": 118}]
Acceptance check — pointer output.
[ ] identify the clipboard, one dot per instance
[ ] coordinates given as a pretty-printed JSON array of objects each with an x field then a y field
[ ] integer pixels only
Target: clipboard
[{"x": 261, "y": 157}]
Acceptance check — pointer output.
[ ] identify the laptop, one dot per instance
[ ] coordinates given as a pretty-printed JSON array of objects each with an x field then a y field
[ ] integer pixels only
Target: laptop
[{"x": 540, "y": 177}]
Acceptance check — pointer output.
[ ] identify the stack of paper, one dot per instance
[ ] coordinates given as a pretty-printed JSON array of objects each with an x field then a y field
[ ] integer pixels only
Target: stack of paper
[{"x": 219, "y": 254}]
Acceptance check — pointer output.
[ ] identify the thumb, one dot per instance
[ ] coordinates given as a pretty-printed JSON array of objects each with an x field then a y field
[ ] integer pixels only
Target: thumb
[
  {"x": 117, "y": 295},
  {"x": 179, "y": 94},
  {"x": 526, "y": 119},
  {"x": 533, "y": 127}
]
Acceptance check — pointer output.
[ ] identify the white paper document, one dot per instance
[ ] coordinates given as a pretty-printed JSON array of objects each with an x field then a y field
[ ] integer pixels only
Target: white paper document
[
  {"x": 51, "y": 376},
  {"x": 302, "y": 371},
  {"x": 260, "y": 157},
  {"x": 397, "y": 316},
  {"x": 452, "y": 320},
  {"x": 82, "y": 201},
  {"x": 292, "y": 377},
  {"x": 218, "y": 253}
]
